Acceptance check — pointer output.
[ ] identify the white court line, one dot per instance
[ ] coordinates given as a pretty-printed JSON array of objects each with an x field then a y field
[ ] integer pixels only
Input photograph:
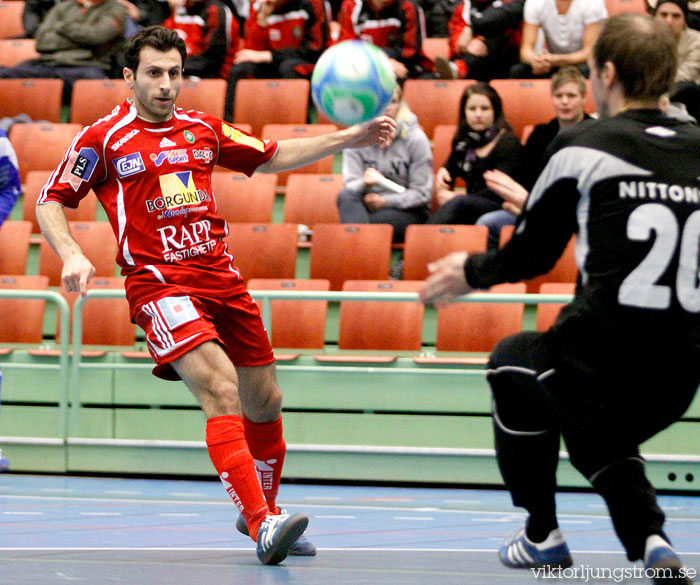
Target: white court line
[
  {"x": 296, "y": 505},
  {"x": 23, "y": 513}
]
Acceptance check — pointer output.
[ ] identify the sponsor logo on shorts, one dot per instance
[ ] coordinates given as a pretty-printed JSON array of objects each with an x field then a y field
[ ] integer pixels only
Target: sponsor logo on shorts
[
  {"x": 128, "y": 165},
  {"x": 172, "y": 156}
]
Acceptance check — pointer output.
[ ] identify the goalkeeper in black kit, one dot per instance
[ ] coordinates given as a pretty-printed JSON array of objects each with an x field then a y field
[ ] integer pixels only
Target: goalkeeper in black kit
[{"x": 622, "y": 361}]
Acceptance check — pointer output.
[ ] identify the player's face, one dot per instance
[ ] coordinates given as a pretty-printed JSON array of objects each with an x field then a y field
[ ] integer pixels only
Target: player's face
[
  {"x": 156, "y": 83},
  {"x": 479, "y": 112},
  {"x": 568, "y": 103},
  {"x": 673, "y": 16}
]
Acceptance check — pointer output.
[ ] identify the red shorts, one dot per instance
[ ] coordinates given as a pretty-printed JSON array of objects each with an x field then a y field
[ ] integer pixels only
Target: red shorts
[{"x": 175, "y": 323}]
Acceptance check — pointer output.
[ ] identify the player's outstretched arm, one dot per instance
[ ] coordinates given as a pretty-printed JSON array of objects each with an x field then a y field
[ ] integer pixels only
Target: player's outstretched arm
[
  {"x": 77, "y": 269},
  {"x": 297, "y": 152},
  {"x": 447, "y": 280}
]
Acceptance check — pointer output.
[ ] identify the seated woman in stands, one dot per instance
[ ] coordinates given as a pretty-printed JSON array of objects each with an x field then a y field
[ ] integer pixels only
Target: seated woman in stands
[
  {"x": 483, "y": 141},
  {"x": 391, "y": 185}
]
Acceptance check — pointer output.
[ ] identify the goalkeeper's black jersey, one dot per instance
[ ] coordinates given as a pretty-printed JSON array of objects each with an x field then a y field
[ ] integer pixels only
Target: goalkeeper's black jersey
[{"x": 629, "y": 187}]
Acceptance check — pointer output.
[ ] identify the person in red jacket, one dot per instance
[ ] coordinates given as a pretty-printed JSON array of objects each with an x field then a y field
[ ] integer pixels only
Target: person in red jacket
[
  {"x": 211, "y": 35},
  {"x": 395, "y": 26},
  {"x": 283, "y": 39}
]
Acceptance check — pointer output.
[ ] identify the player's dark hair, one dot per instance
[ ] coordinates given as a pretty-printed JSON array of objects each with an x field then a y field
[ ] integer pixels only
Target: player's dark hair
[
  {"x": 481, "y": 88},
  {"x": 158, "y": 38},
  {"x": 643, "y": 51}
]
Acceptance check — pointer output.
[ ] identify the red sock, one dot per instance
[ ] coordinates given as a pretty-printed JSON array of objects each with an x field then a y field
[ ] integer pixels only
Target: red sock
[
  {"x": 268, "y": 448},
  {"x": 230, "y": 455}
]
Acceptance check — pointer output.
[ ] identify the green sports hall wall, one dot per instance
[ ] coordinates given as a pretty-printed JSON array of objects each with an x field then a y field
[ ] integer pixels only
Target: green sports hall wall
[{"x": 393, "y": 421}]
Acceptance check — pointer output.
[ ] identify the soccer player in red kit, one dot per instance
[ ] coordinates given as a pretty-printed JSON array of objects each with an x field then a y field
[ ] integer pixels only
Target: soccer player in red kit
[{"x": 150, "y": 165}]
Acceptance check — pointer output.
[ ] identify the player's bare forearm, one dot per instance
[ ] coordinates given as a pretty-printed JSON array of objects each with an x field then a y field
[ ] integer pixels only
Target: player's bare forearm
[
  {"x": 297, "y": 152},
  {"x": 77, "y": 269}
]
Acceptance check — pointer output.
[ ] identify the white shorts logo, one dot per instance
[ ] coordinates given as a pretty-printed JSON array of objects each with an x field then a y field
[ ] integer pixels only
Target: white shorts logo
[{"x": 177, "y": 311}]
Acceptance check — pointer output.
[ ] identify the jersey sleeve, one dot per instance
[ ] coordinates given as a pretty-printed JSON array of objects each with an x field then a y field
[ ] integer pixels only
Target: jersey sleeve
[
  {"x": 82, "y": 166},
  {"x": 240, "y": 151}
]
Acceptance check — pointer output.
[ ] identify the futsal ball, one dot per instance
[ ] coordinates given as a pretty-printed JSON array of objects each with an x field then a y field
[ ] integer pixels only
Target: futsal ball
[{"x": 352, "y": 82}]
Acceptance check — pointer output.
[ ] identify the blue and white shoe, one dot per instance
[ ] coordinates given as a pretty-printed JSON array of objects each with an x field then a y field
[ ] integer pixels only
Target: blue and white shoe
[
  {"x": 276, "y": 534},
  {"x": 663, "y": 562},
  {"x": 4, "y": 463},
  {"x": 519, "y": 552},
  {"x": 301, "y": 547}
]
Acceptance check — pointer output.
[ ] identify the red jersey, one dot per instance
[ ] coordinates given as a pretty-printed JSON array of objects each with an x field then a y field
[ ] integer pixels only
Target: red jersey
[
  {"x": 154, "y": 182},
  {"x": 398, "y": 28}
]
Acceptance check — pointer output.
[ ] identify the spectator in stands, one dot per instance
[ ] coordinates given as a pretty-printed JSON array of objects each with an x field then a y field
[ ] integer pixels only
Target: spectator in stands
[
  {"x": 692, "y": 17},
  {"x": 143, "y": 13},
  {"x": 437, "y": 16},
  {"x": 391, "y": 185},
  {"x": 10, "y": 190},
  {"x": 211, "y": 36},
  {"x": 686, "y": 89},
  {"x": 78, "y": 39},
  {"x": 395, "y": 26},
  {"x": 33, "y": 13},
  {"x": 483, "y": 141},
  {"x": 482, "y": 56},
  {"x": 570, "y": 28},
  {"x": 283, "y": 39},
  {"x": 568, "y": 97}
]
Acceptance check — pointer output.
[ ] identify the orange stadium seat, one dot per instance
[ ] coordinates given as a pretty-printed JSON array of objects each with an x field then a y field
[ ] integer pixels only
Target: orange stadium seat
[
  {"x": 98, "y": 243},
  {"x": 14, "y": 243},
  {"x": 525, "y": 101},
  {"x": 35, "y": 181},
  {"x": 381, "y": 325},
  {"x": 284, "y": 131},
  {"x": 341, "y": 252},
  {"x": 40, "y": 99},
  {"x": 244, "y": 199},
  {"x": 311, "y": 199},
  {"x": 14, "y": 51},
  {"x": 203, "y": 95},
  {"x": 617, "y": 6},
  {"x": 427, "y": 243},
  {"x": 548, "y": 312},
  {"x": 442, "y": 143},
  {"x": 93, "y": 99},
  {"x": 263, "y": 250},
  {"x": 54, "y": 139},
  {"x": 22, "y": 319},
  {"x": 435, "y": 101},
  {"x": 11, "y": 19},
  {"x": 105, "y": 321},
  {"x": 565, "y": 269},
  {"x": 271, "y": 101},
  {"x": 479, "y": 326},
  {"x": 436, "y": 47},
  {"x": 295, "y": 323}
]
